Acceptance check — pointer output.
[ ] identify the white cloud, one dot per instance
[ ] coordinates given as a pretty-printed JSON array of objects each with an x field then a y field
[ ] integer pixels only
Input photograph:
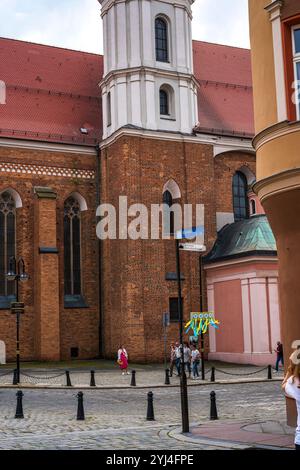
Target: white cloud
[
  {"x": 76, "y": 24},
  {"x": 221, "y": 21}
]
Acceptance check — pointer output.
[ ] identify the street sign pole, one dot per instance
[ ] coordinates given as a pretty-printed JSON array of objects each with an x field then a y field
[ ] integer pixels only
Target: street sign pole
[
  {"x": 183, "y": 380},
  {"x": 201, "y": 310},
  {"x": 166, "y": 317}
]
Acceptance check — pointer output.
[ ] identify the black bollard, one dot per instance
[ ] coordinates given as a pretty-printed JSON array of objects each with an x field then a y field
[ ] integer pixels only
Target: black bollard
[
  {"x": 213, "y": 407},
  {"x": 213, "y": 374},
  {"x": 167, "y": 381},
  {"x": 80, "y": 410},
  {"x": 19, "y": 411},
  {"x": 15, "y": 378},
  {"x": 150, "y": 410},
  {"x": 69, "y": 384},
  {"x": 133, "y": 379},
  {"x": 93, "y": 382},
  {"x": 269, "y": 372}
]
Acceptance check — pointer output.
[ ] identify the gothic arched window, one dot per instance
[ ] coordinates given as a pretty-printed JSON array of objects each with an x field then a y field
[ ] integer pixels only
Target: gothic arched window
[
  {"x": 7, "y": 241},
  {"x": 169, "y": 215},
  {"x": 72, "y": 247},
  {"x": 240, "y": 197},
  {"x": 164, "y": 103},
  {"x": 161, "y": 40}
]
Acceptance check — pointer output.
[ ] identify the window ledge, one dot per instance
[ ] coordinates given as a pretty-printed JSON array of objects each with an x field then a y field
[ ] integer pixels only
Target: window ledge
[
  {"x": 167, "y": 118},
  {"x": 74, "y": 302},
  {"x": 5, "y": 302}
]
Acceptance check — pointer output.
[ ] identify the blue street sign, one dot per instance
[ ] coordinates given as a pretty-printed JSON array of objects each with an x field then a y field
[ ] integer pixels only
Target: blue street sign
[{"x": 191, "y": 233}]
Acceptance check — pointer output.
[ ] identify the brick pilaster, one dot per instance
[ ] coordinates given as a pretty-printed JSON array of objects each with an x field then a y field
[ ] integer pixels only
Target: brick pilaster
[{"x": 46, "y": 274}]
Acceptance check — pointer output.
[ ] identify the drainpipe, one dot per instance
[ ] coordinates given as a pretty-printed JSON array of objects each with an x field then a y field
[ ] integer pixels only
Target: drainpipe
[{"x": 98, "y": 198}]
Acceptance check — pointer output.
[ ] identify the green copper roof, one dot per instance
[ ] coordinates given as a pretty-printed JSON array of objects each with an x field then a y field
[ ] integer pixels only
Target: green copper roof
[{"x": 245, "y": 238}]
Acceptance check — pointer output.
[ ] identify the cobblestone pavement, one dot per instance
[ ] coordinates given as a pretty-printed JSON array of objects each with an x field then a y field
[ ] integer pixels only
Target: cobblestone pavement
[{"x": 115, "y": 419}]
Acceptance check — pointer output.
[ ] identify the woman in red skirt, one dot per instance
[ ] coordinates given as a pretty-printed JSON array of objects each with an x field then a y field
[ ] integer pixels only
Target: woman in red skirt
[{"x": 123, "y": 360}]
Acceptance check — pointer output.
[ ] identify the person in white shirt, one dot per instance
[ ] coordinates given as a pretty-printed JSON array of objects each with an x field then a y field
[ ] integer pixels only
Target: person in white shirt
[
  {"x": 178, "y": 357},
  {"x": 123, "y": 360},
  {"x": 291, "y": 386},
  {"x": 187, "y": 358},
  {"x": 195, "y": 361}
]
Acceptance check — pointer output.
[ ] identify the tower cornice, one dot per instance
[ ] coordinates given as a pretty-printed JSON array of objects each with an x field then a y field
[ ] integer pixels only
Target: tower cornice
[
  {"x": 186, "y": 4},
  {"x": 148, "y": 70}
]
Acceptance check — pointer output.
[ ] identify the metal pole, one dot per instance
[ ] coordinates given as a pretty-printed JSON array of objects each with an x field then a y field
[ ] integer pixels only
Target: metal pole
[
  {"x": 201, "y": 311},
  {"x": 183, "y": 381},
  {"x": 18, "y": 346},
  {"x": 165, "y": 339}
]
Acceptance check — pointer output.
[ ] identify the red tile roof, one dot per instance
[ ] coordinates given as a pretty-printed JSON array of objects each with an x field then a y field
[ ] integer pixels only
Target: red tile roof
[
  {"x": 225, "y": 96},
  {"x": 53, "y": 92}
]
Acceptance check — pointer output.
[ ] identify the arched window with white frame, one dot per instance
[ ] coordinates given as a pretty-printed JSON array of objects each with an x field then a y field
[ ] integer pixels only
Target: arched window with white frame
[
  {"x": 161, "y": 40},
  {"x": 7, "y": 241},
  {"x": 72, "y": 247}
]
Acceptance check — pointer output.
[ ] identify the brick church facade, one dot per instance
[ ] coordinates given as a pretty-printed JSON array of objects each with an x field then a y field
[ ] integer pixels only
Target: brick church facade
[{"x": 158, "y": 112}]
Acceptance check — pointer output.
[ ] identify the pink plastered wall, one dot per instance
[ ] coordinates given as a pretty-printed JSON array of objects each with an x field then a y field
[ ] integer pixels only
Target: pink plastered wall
[{"x": 244, "y": 297}]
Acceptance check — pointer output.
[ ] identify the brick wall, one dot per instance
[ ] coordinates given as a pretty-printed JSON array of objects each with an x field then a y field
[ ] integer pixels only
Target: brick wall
[
  {"x": 77, "y": 327},
  {"x": 135, "y": 290}
]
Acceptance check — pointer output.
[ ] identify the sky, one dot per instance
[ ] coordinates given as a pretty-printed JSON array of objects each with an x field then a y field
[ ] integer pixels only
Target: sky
[{"x": 76, "y": 24}]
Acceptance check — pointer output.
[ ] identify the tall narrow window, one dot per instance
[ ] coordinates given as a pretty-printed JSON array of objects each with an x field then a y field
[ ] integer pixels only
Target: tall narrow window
[
  {"x": 169, "y": 215},
  {"x": 72, "y": 247},
  {"x": 7, "y": 241},
  {"x": 253, "y": 207},
  {"x": 164, "y": 103},
  {"x": 161, "y": 40},
  {"x": 296, "y": 58},
  {"x": 109, "y": 109},
  {"x": 240, "y": 197}
]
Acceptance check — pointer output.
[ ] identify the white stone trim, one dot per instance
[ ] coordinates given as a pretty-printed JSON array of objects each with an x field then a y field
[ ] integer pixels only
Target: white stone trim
[
  {"x": 81, "y": 200},
  {"x": 250, "y": 259},
  {"x": 203, "y": 139},
  {"x": 47, "y": 146},
  {"x": 15, "y": 195},
  {"x": 246, "y": 316},
  {"x": 41, "y": 170},
  {"x": 211, "y": 308},
  {"x": 275, "y": 18}
]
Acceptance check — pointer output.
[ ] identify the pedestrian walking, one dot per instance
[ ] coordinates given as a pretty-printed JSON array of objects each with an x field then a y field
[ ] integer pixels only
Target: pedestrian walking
[
  {"x": 195, "y": 361},
  {"x": 291, "y": 386},
  {"x": 172, "y": 358},
  {"x": 279, "y": 351},
  {"x": 178, "y": 349},
  {"x": 123, "y": 360},
  {"x": 187, "y": 358}
]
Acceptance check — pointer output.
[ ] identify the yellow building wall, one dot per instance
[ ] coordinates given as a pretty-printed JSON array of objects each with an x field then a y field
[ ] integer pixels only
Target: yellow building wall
[
  {"x": 265, "y": 105},
  {"x": 278, "y": 155}
]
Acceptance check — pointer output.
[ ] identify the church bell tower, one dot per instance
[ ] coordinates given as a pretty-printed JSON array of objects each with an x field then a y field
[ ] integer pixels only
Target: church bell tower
[
  {"x": 148, "y": 66},
  {"x": 149, "y": 102}
]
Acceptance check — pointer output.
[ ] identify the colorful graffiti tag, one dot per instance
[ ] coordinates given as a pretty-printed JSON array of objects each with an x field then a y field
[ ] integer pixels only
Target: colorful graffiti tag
[{"x": 200, "y": 323}]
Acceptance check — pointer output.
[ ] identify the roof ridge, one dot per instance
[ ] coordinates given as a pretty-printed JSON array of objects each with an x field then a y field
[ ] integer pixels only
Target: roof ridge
[
  {"x": 222, "y": 45},
  {"x": 50, "y": 46}
]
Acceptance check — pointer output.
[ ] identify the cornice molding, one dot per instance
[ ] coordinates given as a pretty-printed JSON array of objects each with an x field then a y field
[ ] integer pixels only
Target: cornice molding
[
  {"x": 277, "y": 184},
  {"x": 228, "y": 144},
  {"x": 273, "y": 132},
  {"x": 46, "y": 146},
  {"x": 147, "y": 70},
  {"x": 274, "y": 9}
]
